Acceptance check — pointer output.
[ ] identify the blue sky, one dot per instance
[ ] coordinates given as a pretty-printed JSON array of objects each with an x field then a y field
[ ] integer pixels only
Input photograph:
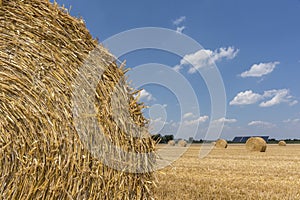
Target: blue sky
[{"x": 255, "y": 45}]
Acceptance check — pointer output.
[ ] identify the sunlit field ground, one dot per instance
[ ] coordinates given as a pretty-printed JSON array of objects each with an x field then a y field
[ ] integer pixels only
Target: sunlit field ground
[{"x": 233, "y": 173}]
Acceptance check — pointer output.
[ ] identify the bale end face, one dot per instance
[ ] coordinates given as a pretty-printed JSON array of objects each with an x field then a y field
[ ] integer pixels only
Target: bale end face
[
  {"x": 256, "y": 144},
  {"x": 221, "y": 143}
]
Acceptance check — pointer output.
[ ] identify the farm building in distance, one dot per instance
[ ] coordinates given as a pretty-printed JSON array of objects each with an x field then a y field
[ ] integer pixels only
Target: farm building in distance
[{"x": 243, "y": 139}]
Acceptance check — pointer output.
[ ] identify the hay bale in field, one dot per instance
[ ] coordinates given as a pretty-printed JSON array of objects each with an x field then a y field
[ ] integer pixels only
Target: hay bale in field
[
  {"x": 171, "y": 143},
  {"x": 256, "y": 144},
  {"x": 282, "y": 143},
  {"x": 182, "y": 143},
  {"x": 221, "y": 143},
  {"x": 42, "y": 50}
]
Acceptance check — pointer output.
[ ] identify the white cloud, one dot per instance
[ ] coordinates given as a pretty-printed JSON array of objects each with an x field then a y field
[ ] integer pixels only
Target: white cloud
[
  {"x": 180, "y": 29},
  {"x": 146, "y": 95},
  {"x": 156, "y": 125},
  {"x": 188, "y": 115},
  {"x": 261, "y": 124},
  {"x": 157, "y": 120},
  {"x": 165, "y": 105},
  {"x": 292, "y": 120},
  {"x": 277, "y": 97},
  {"x": 272, "y": 97},
  {"x": 259, "y": 70},
  {"x": 246, "y": 98},
  {"x": 177, "y": 68},
  {"x": 225, "y": 120},
  {"x": 179, "y": 20},
  {"x": 200, "y": 119},
  {"x": 174, "y": 124},
  {"x": 206, "y": 57}
]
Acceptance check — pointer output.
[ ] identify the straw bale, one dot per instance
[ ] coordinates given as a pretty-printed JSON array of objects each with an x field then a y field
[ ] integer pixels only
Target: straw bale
[
  {"x": 171, "y": 143},
  {"x": 282, "y": 143},
  {"x": 256, "y": 144},
  {"x": 182, "y": 143},
  {"x": 42, "y": 49},
  {"x": 221, "y": 143}
]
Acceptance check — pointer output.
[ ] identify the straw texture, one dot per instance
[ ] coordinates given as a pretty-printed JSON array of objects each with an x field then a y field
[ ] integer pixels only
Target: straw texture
[
  {"x": 171, "y": 143},
  {"x": 221, "y": 143},
  {"x": 182, "y": 143},
  {"x": 282, "y": 143},
  {"x": 41, "y": 155},
  {"x": 256, "y": 144}
]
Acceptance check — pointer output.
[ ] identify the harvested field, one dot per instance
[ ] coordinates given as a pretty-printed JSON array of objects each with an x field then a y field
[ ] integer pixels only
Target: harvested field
[{"x": 233, "y": 174}]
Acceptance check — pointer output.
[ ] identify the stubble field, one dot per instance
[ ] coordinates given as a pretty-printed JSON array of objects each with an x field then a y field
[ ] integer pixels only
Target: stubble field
[{"x": 232, "y": 173}]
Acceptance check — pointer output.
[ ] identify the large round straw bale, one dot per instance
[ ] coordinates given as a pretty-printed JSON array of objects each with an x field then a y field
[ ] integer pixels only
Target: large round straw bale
[
  {"x": 43, "y": 156},
  {"x": 256, "y": 144},
  {"x": 171, "y": 143},
  {"x": 221, "y": 143},
  {"x": 182, "y": 143},
  {"x": 282, "y": 143}
]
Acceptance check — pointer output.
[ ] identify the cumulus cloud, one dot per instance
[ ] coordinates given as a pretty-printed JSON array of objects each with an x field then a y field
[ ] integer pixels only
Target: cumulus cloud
[
  {"x": 206, "y": 57},
  {"x": 225, "y": 120},
  {"x": 180, "y": 29},
  {"x": 145, "y": 95},
  {"x": 179, "y": 20},
  {"x": 277, "y": 97},
  {"x": 270, "y": 97},
  {"x": 259, "y": 70},
  {"x": 188, "y": 115},
  {"x": 200, "y": 119},
  {"x": 156, "y": 125},
  {"x": 246, "y": 98},
  {"x": 177, "y": 68},
  {"x": 261, "y": 124}
]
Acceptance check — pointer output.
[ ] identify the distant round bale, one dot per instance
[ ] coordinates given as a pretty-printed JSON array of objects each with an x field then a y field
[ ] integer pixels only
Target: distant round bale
[
  {"x": 182, "y": 143},
  {"x": 221, "y": 143},
  {"x": 171, "y": 143},
  {"x": 256, "y": 144},
  {"x": 282, "y": 143}
]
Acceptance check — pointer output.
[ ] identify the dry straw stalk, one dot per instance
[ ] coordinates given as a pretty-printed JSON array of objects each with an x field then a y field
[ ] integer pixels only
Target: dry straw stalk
[{"x": 42, "y": 157}]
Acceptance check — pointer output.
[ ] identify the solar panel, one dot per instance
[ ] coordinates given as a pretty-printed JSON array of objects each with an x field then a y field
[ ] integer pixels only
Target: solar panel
[
  {"x": 266, "y": 138},
  {"x": 237, "y": 139},
  {"x": 243, "y": 139}
]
